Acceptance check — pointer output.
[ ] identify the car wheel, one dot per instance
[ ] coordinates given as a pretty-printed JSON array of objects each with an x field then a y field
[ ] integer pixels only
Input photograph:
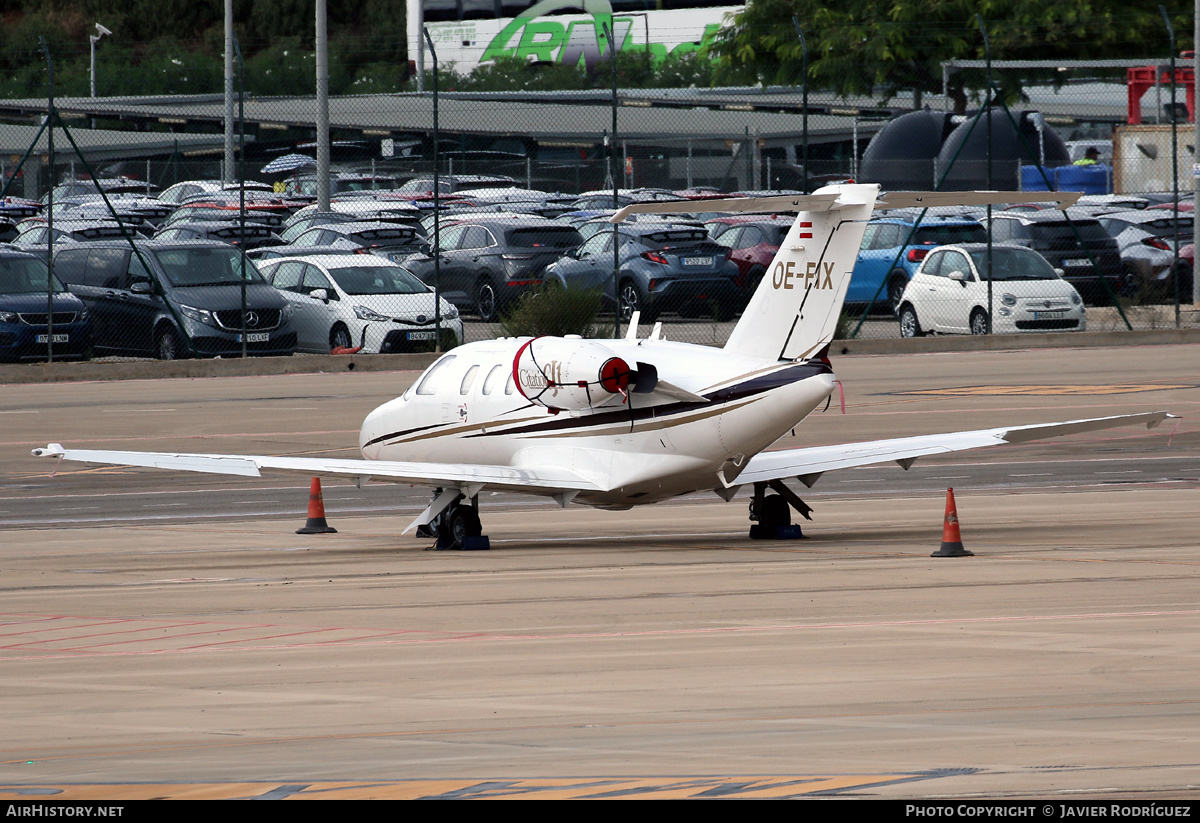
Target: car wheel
[
  {"x": 339, "y": 338},
  {"x": 753, "y": 278},
  {"x": 979, "y": 322},
  {"x": 896, "y": 288},
  {"x": 485, "y": 300},
  {"x": 1131, "y": 284},
  {"x": 631, "y": 299},
  {"x": 909, "y": 327},
  {"x": 168, "y": 345},
  {"x": 1184, "y": 274}
]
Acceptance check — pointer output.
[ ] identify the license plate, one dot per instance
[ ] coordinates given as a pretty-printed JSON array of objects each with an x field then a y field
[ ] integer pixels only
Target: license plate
[
  {"x": 420, "y": 335},
  {"x": 256, "y": 337},
  {"x": 1077, "y": 261},
  {"x": 1048, "y": 315},
  {"x": 58, "y": 338},
  {"x": 697, "y": 261}
]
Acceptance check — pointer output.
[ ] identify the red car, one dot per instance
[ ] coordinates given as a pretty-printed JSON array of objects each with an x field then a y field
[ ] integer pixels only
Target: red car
[{"x": 754, "y": 239}]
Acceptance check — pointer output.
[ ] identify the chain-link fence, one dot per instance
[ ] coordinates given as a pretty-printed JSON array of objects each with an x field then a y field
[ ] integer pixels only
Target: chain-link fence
[{"x": 525, "y": 181}]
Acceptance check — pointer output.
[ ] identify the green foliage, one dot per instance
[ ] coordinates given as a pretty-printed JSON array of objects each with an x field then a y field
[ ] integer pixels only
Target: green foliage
[
  {"x": 177, "y": 47},
  {"x": 553, "y": 311},
  {"x": 859, "y": 46}
]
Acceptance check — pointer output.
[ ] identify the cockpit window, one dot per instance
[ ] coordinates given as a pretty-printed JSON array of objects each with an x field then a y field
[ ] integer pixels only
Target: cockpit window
[{"x": 429, "y": 382}]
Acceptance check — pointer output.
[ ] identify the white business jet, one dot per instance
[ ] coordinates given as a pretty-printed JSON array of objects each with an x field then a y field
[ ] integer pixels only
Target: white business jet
[{"x": 619, "y": 423}]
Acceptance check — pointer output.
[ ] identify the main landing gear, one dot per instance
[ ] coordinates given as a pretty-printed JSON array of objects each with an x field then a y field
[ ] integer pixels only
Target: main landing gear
[
  {"x": 773, "y": 512},
  {"x": 457, "y": 527}
]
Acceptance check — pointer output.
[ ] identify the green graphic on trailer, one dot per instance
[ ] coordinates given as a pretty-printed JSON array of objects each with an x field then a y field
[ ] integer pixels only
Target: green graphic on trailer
[{"x": 530, "y": 37}]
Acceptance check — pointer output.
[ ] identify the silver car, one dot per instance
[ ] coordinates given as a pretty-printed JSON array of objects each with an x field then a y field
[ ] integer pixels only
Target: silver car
[{"x": 360, "y": 301}]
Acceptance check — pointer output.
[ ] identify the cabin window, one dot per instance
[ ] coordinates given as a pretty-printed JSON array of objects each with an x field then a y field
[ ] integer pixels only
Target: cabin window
[
  {"x": 493, "y": 379},
  {"x": 429, "y": 382},
  {"x": 468, "y": 379}
]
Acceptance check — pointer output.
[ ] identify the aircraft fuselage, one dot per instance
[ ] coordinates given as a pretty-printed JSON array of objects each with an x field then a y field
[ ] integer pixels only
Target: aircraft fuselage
[{"x": 468, "y": 408}]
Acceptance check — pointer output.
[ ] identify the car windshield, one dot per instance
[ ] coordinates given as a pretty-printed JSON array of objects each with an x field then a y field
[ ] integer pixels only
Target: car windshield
[
  {"x": 19, "y": 275},
  {"x": 205, "y": 267},
  {"x": 1013, "y": 264},
  {"x": 377, "y": 280}
]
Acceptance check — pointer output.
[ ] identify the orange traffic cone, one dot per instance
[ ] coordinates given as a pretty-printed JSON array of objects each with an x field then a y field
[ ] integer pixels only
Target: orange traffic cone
[
  {"x": 951, "y": 537},
  {"x": 316, "y": 512}
]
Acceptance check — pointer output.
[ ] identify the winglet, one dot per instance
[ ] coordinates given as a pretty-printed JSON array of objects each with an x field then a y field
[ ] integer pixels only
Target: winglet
[{"x": 52, "y": 450}]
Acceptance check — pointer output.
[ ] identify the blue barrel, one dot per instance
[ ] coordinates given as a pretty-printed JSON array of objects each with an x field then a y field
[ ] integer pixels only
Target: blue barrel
[
  {"x": 1094, "y": 179},
  {"x": 1032, "y": 179}
]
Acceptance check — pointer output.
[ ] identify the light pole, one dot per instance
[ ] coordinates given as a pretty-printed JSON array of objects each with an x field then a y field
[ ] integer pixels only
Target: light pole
[{"x": 95, "y": 38}]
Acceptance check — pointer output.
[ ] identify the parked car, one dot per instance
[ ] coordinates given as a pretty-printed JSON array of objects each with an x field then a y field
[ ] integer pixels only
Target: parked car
[
  {"x": 176, "y": 194},
  {"x": 1146, "y": 240},
  {"x": 341, "y": 301},
  {"x": 949, "y": 293},
  {"x": 487, "y": 263},
  {"x": 305, "y": 185},
  {"x": 1057, "y": 237},
  {"x": 34, "y": 233},
  {"x": 256, "y": 235},
  {"x": 755, "y": 240},
  {"x": 172, "y": 299},
  {"x": 892, "y": 250},
  {"x": 27, "y": 330},
  {"x": 369, "y": 235},
  {"x": 448, "y": 184},
  {"x": 663, "y": 266}
]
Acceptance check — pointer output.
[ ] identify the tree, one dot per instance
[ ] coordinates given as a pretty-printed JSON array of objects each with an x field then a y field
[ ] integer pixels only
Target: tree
[{"x": 861, "y": 46}]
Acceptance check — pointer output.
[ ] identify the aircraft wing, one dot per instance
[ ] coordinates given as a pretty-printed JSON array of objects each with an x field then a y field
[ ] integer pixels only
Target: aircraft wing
[
  {"x": 542, "y": 480},
  {"x": 809, "y": 463}
]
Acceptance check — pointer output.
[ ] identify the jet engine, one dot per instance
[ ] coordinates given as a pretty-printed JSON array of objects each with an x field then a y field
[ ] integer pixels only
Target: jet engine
[{"x": 571, "y": 375}]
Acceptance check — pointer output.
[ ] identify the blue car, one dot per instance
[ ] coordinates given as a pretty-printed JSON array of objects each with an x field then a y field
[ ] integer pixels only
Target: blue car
[
  {"x": 664, "y": 266},
  {"x": 890, "y": 256},
  {"x": 26, "y": 330}
]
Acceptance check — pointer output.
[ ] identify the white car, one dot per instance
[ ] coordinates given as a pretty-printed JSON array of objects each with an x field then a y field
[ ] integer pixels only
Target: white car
[
  {"x": 949, "y": 293},
  {"x": 349, "y": 300}
]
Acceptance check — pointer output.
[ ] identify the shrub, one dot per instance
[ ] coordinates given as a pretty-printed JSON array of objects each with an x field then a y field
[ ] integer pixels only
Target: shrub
[{"x": 554, "y": 311}]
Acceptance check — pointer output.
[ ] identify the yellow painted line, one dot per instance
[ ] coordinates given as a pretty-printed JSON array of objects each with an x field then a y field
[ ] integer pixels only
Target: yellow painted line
[
  {"x": 1002, "y": 391},
  {"x": 612, "y": 788}
]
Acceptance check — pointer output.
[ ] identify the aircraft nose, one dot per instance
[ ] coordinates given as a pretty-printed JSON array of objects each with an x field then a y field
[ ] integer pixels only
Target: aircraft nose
[{"x": 368, "y": 436}]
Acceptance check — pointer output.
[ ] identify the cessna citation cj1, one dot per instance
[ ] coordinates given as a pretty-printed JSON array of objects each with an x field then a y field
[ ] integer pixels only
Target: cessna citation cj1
[{"x": 619, "y": 423}]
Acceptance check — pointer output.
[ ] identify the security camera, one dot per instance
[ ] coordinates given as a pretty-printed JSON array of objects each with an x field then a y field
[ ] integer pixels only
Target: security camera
[{"x": 103, "y": 31}]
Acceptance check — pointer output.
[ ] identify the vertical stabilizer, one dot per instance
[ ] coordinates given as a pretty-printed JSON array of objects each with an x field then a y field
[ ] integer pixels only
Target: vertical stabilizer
[{"x": 794, "y": 311}]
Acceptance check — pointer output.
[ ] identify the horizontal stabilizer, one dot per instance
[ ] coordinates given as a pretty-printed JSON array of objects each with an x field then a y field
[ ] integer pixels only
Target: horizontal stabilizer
[{"x": 829, "y": 201}]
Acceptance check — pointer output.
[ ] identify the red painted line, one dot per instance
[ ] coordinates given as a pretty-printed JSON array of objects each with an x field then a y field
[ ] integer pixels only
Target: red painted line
[
  {"x": 52, "y": 629},
  {"x": 37, "y": 628},
  {"x": 162, "y": 638},
  {"x": 297, "y": 634}
]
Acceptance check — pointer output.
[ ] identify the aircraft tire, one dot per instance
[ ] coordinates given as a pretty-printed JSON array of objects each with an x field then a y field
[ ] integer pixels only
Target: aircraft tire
[
  {"x": 460, "y": 523},
  {"x": 775, "y": 512}
]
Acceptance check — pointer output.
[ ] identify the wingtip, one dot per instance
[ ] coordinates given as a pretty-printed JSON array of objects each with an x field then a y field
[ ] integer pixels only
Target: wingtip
[
  {"x": 1155, "y": 423},
  {"x": 51, "y": 450}
]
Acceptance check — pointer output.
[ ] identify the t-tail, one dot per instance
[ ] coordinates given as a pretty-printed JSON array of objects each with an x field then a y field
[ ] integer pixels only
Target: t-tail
[{"x": 794, "y": 311}]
